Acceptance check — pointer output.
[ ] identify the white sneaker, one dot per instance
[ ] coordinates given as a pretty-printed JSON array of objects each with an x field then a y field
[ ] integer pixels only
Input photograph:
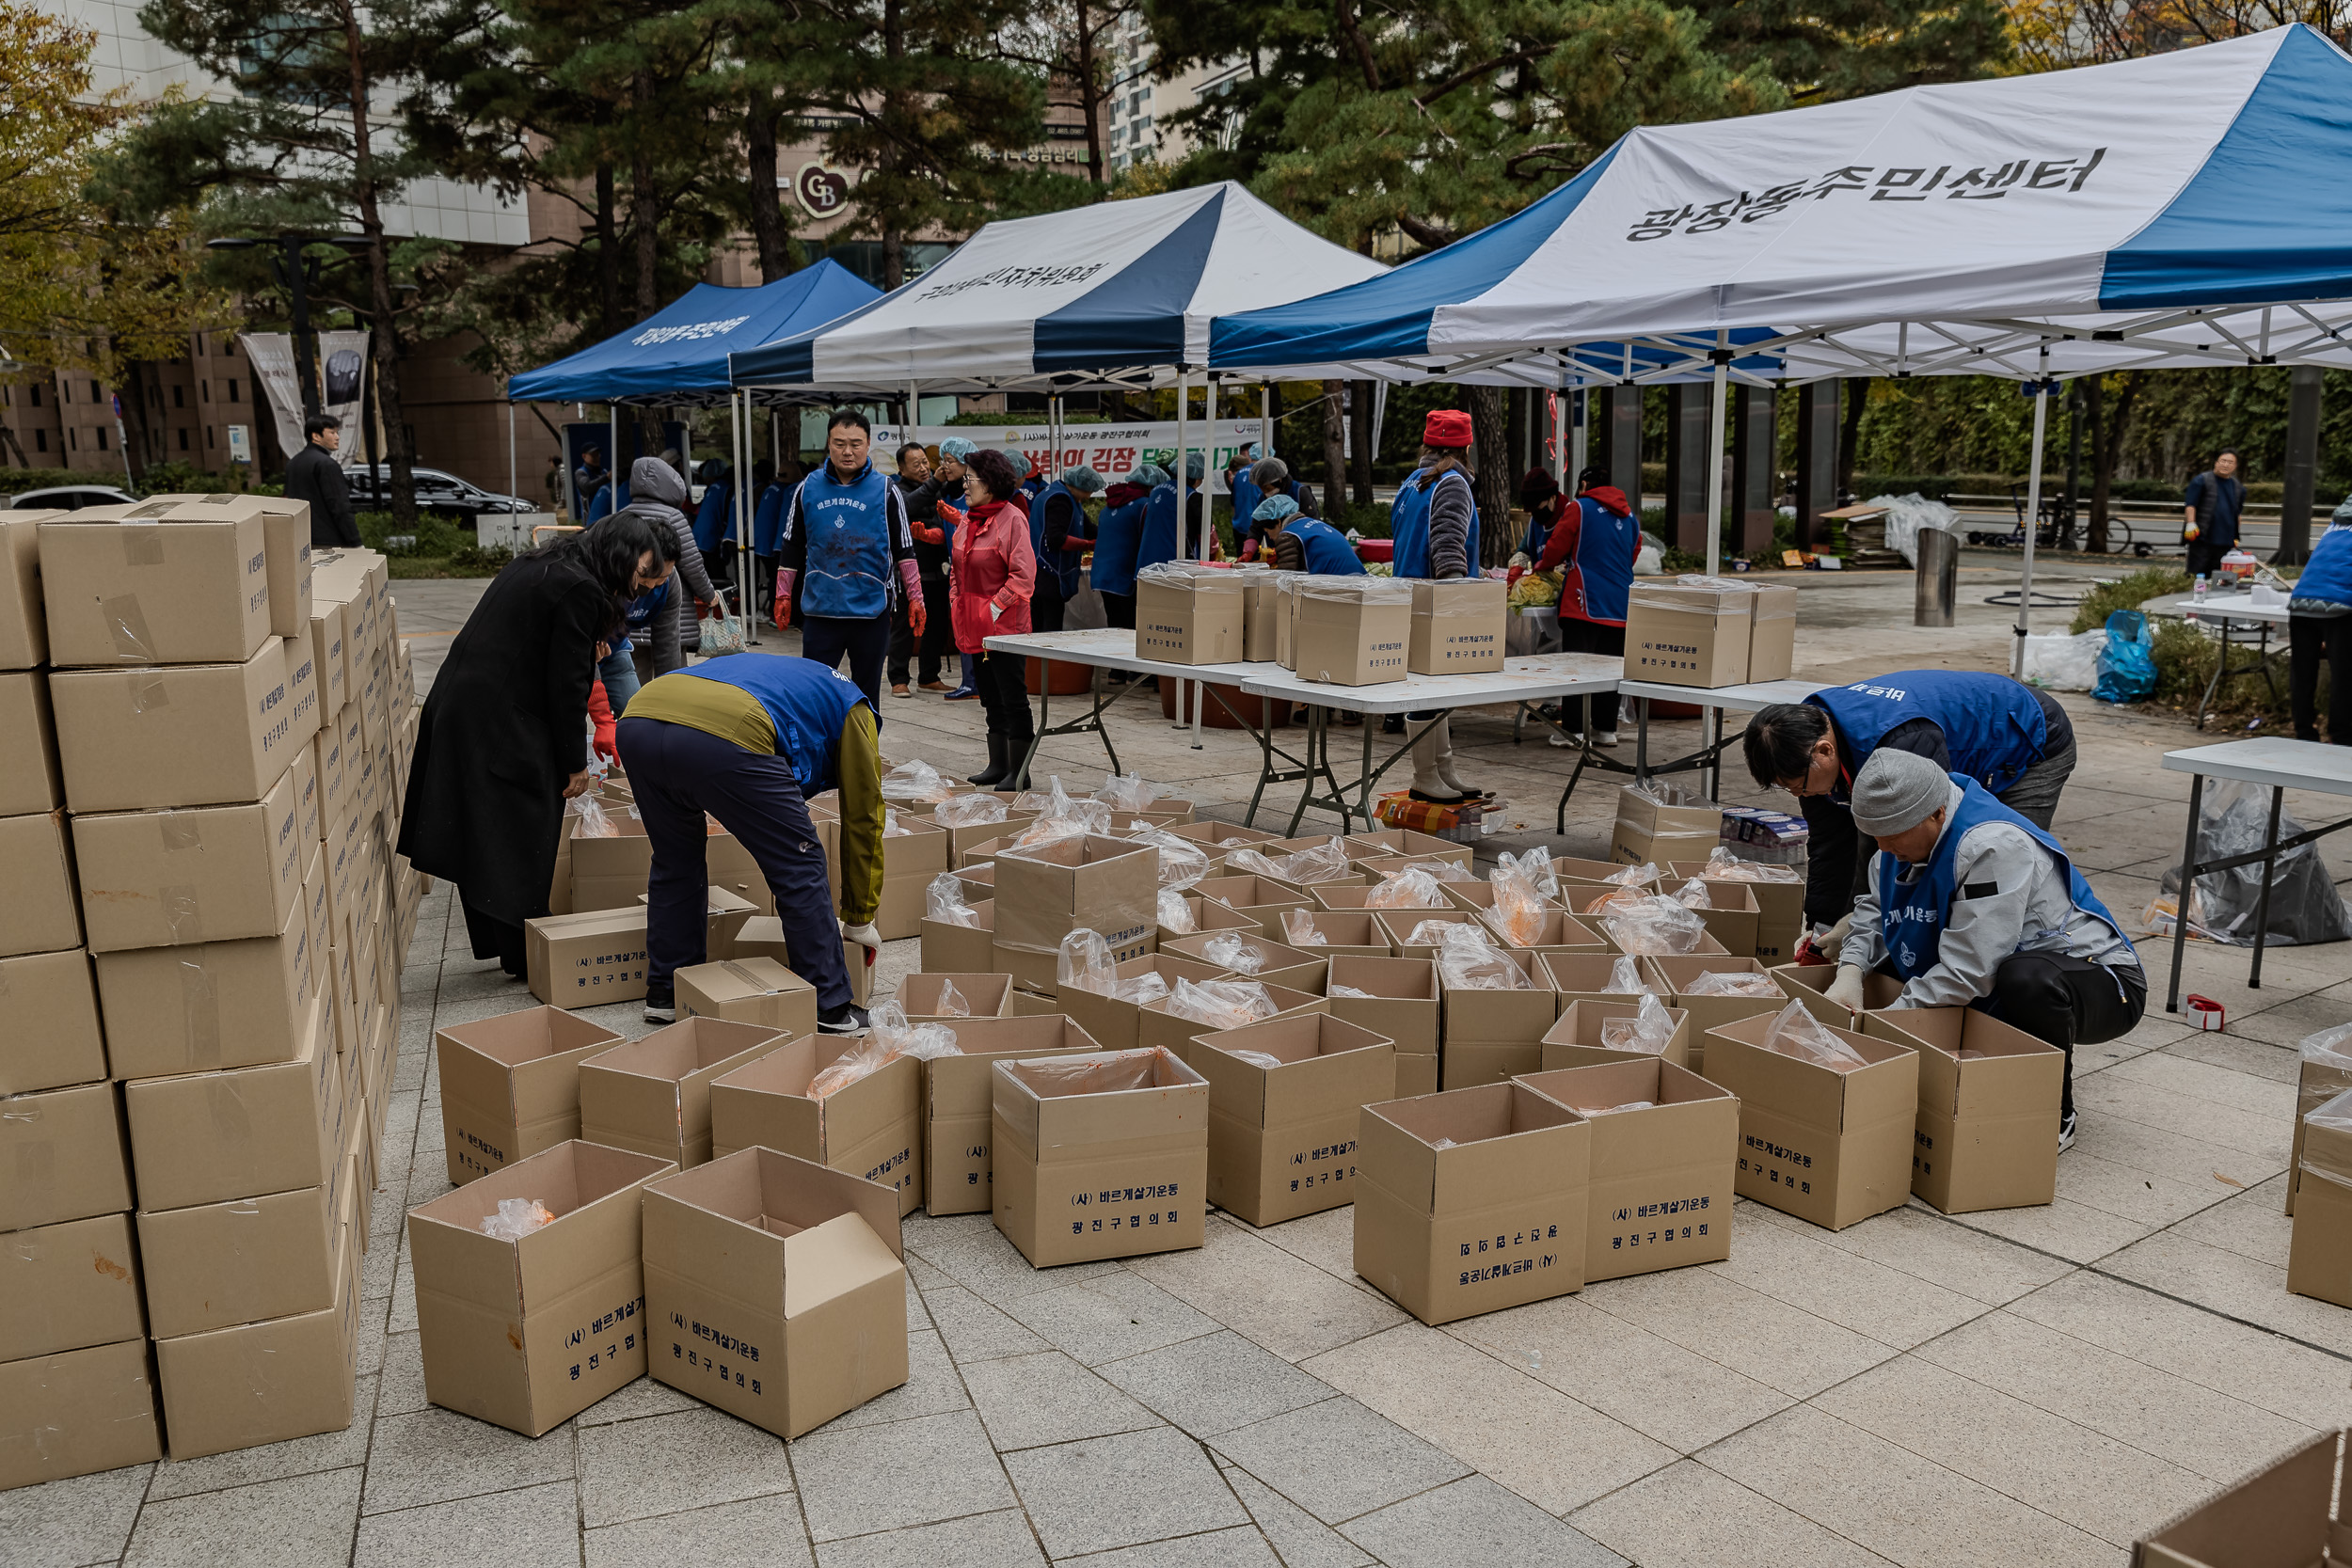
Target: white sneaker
[
  {"x": 1606, "y": 737},
  {"x": 2066, "y": 1132},
  {"x": 1557, "y": 738}
]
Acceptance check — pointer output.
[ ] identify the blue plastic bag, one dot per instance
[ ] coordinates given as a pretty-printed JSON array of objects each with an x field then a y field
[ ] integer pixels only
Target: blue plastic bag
[{"x": 2127, "y": 666}]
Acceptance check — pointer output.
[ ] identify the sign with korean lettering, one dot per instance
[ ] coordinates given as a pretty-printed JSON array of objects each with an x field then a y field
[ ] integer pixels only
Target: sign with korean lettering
[{"x": 1112, "y": 450}]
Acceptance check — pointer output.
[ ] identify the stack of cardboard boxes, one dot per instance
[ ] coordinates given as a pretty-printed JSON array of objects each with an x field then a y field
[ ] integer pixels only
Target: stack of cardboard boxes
[
  {"x": 1709, "y": 632},
  {"x": 203, "y": 927}
]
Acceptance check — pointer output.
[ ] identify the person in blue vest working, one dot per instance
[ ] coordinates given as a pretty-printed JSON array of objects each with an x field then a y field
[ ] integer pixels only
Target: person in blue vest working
[
  {"x": 2014, "y": 739},
  {"x": 1596, "y": 539},
  {"x": 1434, "y": 525},
  {"x": 1298, "y": 543},
  {"x": 767, "y": 532},
  {"x": 749, "y": 738},
  {"x": 1970, "y": 905},
  {"x": 847, "y": 549},
  {"x": 1159, "y": 518},
  {"x": 1117, "y": 539},
  {"x": 2319, "y": 626},
  {"x": 1265, "y": 479},
  {"x": 1060, "y": 533}
]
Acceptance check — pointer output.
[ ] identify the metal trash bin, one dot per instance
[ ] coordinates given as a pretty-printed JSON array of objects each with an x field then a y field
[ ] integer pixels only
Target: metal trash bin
[{"x": 1937, "y": 584}]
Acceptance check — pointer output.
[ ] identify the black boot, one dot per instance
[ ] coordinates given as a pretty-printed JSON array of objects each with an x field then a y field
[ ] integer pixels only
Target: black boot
[
  {"x": 998, "y": 766},
  {"x": 1016, "y": 750}
]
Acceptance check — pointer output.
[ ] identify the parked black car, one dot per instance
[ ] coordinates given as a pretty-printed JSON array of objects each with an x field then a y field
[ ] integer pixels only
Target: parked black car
[
  {"x": 69, "y": 497},
  {"x": 437, "y": 490}
]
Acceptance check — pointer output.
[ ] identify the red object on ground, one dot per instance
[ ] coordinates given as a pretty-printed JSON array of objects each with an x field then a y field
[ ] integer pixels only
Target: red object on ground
[
  {"x": 1070, "y": 680},
  {"x": 1376, "y": 550},
  {"x": 1213, "y": 717}
]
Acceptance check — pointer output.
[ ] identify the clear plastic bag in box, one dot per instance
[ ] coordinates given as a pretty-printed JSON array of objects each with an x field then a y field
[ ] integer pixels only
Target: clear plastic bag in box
[
  {"x": 1716, "y": 983},
  {"x": 1429, "y": 933},
  {"x": 890, "y": 824},
  {"x": 2334, "y": 1114},
  {"x": 1635, "y": 876},
  {"x": 1256, "y": 1059},
  {"x": 1112, "y": 1073},
  {"x": 1692, "y": 894},
  {"x": 1084, "y": 960},
  {"x": 1798, "y": 1034},
  {"x": 1182, "y": 863},
  {"x": 1299, "y": 930},
  {"x": 969, "y": 811},
  {"x": 891, "y": 1037},
  {"x": 1655, "y": 925},
  {"x": 1466, "y": 961},
  {"x": 944, "y": 902},
  {"x": 1624, "y": 978},
  {"x": 1649, "y": 1031},
  {"x": 1227, "y": 950},
  {"x": 1518, "y": 909},
  {"x": 1413, "y": 888},
  {"x": 916, "y": 781},
  {"x": 2328, "y": 1047},
  {"x": 1349, "y": 991},
  {"x": 594, "y": 823},
  {"x": 1175, "y": 915},
  {"x": 951, "y": 1002},
  {"x": 1725, "y": 866},
  {"x": 1142, "y": 989},
  {"x": 1221, "y": 1004},
  {"x": 516, "y": 1217},
  {"x": 1130, "y": 792},
  {"x": 1535, "y": 864}
]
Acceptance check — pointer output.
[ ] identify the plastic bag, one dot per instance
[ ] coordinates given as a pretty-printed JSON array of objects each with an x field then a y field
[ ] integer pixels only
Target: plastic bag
[
  {"x": 1636, "y": 876},
  {"x": 1725, "y": 866},
  {"x": 516, "y": 1217},
  {"x": 1111, "y": 1072},
  {"x": 1175, "y": 915},
  {"x": 2305, "y": 907},
  {"x": 890, "y": 824},
  {"x": 1299, "y": 930},
  {"x": 1655, "y": 925},
  {"x": 1518, "y": 910},
  {"x": 969, "y": 811},
  {"x": 890, "y": 1037},
  {"x": 1130, "y": 792},
  {"x": 1182, "y": 863},
  {"x": 1625, "y": 979},
  {"x": 1327, "y": 862},
  {"x": 1148, "y": 987},
  {"x": 594, "y": 823},
  {"x": 1221, "y": 1004},
  {"x": 1692, "y": 894},
  {"x": 2063, "y": 663},
  {"x": 1907, "y": 515},
  {"x": 1649, "y": 1031},
  {"x": 1227, "y": 950},
  {"x": 2331, "y": 1047},
  {"x": 944, "y": 902},
  {"x": 1535, "y": 864},
  {"x": 1455, "y": 871},
  {"x": 1798, "y": 1034},
  {"x": 1430, "y": 933},
  {"x": 1412, "y": 888},
  {"x": 2334, "y": 1113},
  {"x": 951, "y": 1002},
  {"x": 1612, "y": 1110},
  {"x": 1256, "y": 1059},
  {"x": 1466, "y": 961},
  {"x": 2127, "y": 665},
  {"x": 1719, "y": 983},
  {"x": 1084, "y": 960},
  {"x": 1349, "y": 991},
  {"x": 916, "y": 781}
]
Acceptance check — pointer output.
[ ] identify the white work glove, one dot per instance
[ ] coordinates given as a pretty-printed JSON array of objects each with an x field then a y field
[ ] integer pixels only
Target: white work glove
[
  {"x": 867, "y": 937},
  {"x": 996, "y": 612},
  {"x": 1845, "y": 991}
]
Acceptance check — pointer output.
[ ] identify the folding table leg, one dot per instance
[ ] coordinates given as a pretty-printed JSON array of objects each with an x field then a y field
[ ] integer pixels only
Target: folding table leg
[
  {"x": 1641, "y": 741},
  {"x": 2262, "y": 899},
  {"x": 2189, "y": 885}
]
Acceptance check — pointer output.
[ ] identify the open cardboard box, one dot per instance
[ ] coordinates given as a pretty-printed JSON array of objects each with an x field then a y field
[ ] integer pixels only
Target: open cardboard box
[
  {"x": 1404, "y": 843},
  {"x": 1205, "y": 915},
  {"x": 1586, "y": 977},
  {"x": 1671, "y": 973},
  {"x": 1989, "y": 1094},
  {"x": 1557, "y": 932},
  {"x": 1108, "y": 885},
  {"x": 510, "y": 1086},
  {"x": 1099, "y": 1155},
  {"x": 2319, "y": 1254},
  {"x": 775, "y": 1288},
  {"x": 748, "y": 991},
  {"x": 983, "y": 995},
  {"x": 1662, "y": 1174},
  {"x": 1574, "y": 1039},
  {"x": 1494, "y": 1219},
  {"x": 1808, "y": 984},
  {"x": 1827, "y": 1146},
  {"x": 1277, "y": 963},
  {"x": 1492, "y": 1035},
  {"x": 1282, "y": 1139},
  {"x": 526, "y": 1334},
  {"x": 652, "y": 1096},
  {"x": 958, "y": 1148},
  {"x": 961, "y": 949},
  {"x": 1402, "y": 1003},
  {"x": 1780, "y": 909},
  {"x": 2290, "y": 1513},
  {"x": 1156, "y": 1025},
  {"x": 871, "y": 1128},
  {"x": 1114, "y": 1024},
  {"x": 1345, "y": 933},
  {"x": 1260, "y": 900},
  {"x": 1400, "y": 924},
  {"x": 1730, "y": 914},
  {"x": 2321, "y": 1075}
]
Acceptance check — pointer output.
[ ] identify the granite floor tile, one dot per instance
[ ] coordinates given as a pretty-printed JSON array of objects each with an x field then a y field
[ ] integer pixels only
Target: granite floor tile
[
  {"x": 2261, "y": 1135},
  {"x": 2066, "y": 1228},
  {"x": 1326, "y": 1240},
  {"x": 973, "y": 1329},
  {"x": 1109, "y": 1316},
  {"x": 2258, "y": 1057},
  {"x": 2253, "y": 1224},
  {"x": 970, "y": 1250},
  {"x": 856, "y": 1481},
  {"x": 2262, "y": 1096},
  {"x": 1682, "y": 1516},
  {"x": 643, "y": 1397},
  {"x": 307, "y": 1522},
  {"x": 1240, "y": 1546},
  {"x": 1474, "y": 1519},
  {"x": 933, "y": 1387},
  {"x": 671, "y": 1464},
  {"x": 758, "y": 1532},
  {"x": 998, "y": 1540},
  {"x": 1783, "y": 1347},
  {"x": 2116, "y": 1166},
  {"x": 65, "y": 1523},
  {"x": 436, "y": 1456},
  {"x": 1298, "y": 1538},
  {"x": 1121, "y": 1491},
  {"x": 1264, "y": 1293},
  {"x": 1845, "y": 1288},
  {"x": 1214, "y": 1384},
  {"x": 537, "y": 1526},
  {"x": 401, "y": 1383},
  {"x": 1555, "y": 1451},
  {"x": 331, "y": 1450},
  {"x": 1025, "y": 1401},
  {"x": 1338, "y": 1459},
  {"x": 2234, "y": 1285},
  {"x": 1916, "y": 1241}
]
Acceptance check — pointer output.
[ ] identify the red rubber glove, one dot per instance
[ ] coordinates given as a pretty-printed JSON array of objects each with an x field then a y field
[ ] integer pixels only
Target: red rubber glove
[
  {"x": 912, "y": 582},
  {"x": 601, "y": 714},
  {"x": 784, "y": 598}
]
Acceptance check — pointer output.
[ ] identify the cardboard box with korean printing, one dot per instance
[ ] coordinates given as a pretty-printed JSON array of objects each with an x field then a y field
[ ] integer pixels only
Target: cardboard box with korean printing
[
  {"x": 2290, "y": 1512},
  {"x": 1098, "y": 1156},
  {"x": 1282, "y": 1138},
  {"x": 526, "y": 1333},
  {"x": 1108, "y": 885},
  {"x": 652, "y": 1096},
  {"x": 211, "y": 1004},
  {"x": 68, "y": 1286},
  {"x": 1577, "y": 1037},
  {"x": 1688, "y": 636},
  {"x": 247, "y": 1259},
  {"x": 510, "y": 1086},
  {"x": 1352, "y": 631},
  {"x": 144, "y": 591},
  {"x": 958, "y": 1143},
  {"x": 1472, "y": 1200},
  {"x": 154, "y": 738},
  {"x": 1987, "y": 1131},
  {"x": 1457, "y": 627},
  {"x": 1658, "y": 823},
  {"x": 1666, "y": 1143},
  {"x": 748, "y": 991},
  {"x": 1824, "y": 1145},
  {"x": 869, "y": 1128},
  {"x": 77, "y": 1413},
  {"x": 775, "y": 1288},
  {"x": 1188, "y": 616}
]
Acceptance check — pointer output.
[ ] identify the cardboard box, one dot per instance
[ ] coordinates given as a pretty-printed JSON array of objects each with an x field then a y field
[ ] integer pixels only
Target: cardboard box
[
  {"x": 144, "y": 591},
  {"x": 1677, "y": 636},
  {"x": 215, "y": 1005},
  {"x": 961, "y": 949},
  {"x": 267, "y": 1382},
  {"x": 1574, "y": 1039},
  {"x": 1261, "y": 634},
  {"x": 726, "y": 914},
  {"x": 1780, "y": 910},
  {"x": 1828, "y": 1147},
  {"x": 1255, "y": 958},
  {"x": 67, "y": 1287},
  {"x": 962, "y": 840},
  {"x": 1115, "y": 1023},
  {"x": 1555, "y": 932},
  {"x": 230, "y": 731},
  {"x": 1282, "y": 1139},
  {"x": 1457, "y": 627},
  {"x": 81, "y": 1412},
  {"x": 587, "y": 961},
  {"x": 1101, "y": 1155},
  {"x": 775, "y": 1288},
  {"x": 153, "y": 879},
  {"x": 1588, "y": 977},
  {"x": 65, "y": 1151},
  {"x": 652, "y": 1096},
  {"x": 1220, "y": 838},
  {"x": 330, "y": 631},
  {"x": 30, "y": 784},
  {"x": 1158, "y": 1025},
  {"x": 1403, "y": 1003},
  {"x": 983, "y": 996},
  {"x": 1491, "y": 1035},
  {"x": 1207, "y": 915},
  {"x": 1400, "y": 925},
  {"x": 54, "y": 1038},
  {"x": 1286, "y": 620},
  {"x": 1403, "y": 844},
  {"x": 869, "y": 1128},
  {"x": 1988, "y": 1122},
  {"x": 1731, "y": 916},
  {"x": 1260, "y": 900},
  {"x": 958, "y": 1142},
  {"x": 2290, "y": 1512},
  {"x": 23, "y": 623},
  {"x": 1352, "y": 631},
  {"x": 510, "y": 1086},
  {"x": 216, "y": 1264},
  {"x": 41, "y": 914},
  {"x": 1495, "y": 1219},
  {"x": 1108, "y": 885},
  {"x": 1189, "y": 617},
  {"x": 1659, "y": 823},
  {"x": 1662, "y": 1174},
  {"x": 2323, "y": 1071},
  {"x": 526, "y": 1334},
  {"x": 205, "y": 1137},
  {"x": 748, "y": 991},
  {"x": 1806, "y": 983},
  {"x": 1345, "y": 933},
  {"x": 1672, "y": 973},
  {"x": 1772, "y": 631}
]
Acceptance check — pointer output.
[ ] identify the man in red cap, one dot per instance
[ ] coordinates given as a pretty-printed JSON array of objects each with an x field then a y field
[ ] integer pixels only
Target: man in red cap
[{"x": 1433, "y": 524}]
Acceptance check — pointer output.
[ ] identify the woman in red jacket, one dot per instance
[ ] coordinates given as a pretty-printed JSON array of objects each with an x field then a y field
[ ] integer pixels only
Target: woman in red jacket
[{"x": 991, "y": 572}]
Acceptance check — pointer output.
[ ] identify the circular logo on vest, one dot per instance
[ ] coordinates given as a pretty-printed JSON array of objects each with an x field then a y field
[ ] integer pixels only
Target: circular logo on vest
[{"x": 823, "y": 191}]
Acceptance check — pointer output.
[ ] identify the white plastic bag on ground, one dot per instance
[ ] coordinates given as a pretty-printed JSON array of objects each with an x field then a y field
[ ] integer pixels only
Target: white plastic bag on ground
[
  {"x": 944, "y": 902},
  {"x": 2062, "y": 663},
  {"x": 1907, "y": 515}
]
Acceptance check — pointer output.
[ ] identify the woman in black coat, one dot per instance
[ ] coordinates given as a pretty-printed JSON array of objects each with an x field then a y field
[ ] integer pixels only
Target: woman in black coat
[{"x": 503, "y": 742}]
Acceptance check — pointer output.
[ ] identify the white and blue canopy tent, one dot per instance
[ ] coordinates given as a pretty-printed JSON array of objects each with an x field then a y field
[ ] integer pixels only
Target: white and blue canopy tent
[{"x": 2189, "y": 210}]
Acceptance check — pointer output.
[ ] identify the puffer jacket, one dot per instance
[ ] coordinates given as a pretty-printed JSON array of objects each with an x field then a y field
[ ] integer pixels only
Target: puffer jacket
[
  {"x": 658, "y": 493},
  {"x": 993, "y": 565}
]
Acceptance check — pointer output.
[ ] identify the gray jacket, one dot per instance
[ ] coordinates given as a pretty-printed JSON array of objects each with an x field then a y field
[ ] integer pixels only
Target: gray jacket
[
  {"x": 2028, "y": 910},
  {"x": 655, "y": 491}
]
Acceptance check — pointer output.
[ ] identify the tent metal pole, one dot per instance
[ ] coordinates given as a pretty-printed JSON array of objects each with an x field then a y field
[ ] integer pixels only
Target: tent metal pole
[
  {"x": 2033, "y": 518},
  {"x": 739, "y": 431},
  {"x": 612, "y": 469},
  {"x": 1722, "y": 401},
  {"x": 1266, "y": 432},
  {"x": 514, "y": 477}
]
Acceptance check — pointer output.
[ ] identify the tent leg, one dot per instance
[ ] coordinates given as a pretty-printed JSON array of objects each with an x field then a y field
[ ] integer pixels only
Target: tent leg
[
  {"x": 739, "y": 406},
  {"x": 514, "y": 476},
  {"x": 1265, "y": 434},
  {"x": 2033, "y": 518},
  {"x": 1715, "y": 463}
]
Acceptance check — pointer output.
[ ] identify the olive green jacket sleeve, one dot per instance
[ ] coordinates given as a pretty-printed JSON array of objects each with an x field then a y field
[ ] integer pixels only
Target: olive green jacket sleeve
[{"x": 861, "y": 816}]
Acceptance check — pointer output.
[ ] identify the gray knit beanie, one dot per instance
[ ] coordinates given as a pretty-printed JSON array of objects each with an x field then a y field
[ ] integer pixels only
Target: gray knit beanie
[{"x": 1896, "y": 790}]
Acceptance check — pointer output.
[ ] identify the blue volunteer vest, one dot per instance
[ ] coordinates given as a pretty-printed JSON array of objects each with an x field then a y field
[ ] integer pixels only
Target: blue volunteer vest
[
  {"x": 1327, "y": 550},
  {"x": 1994, "y": 728},
  {"x": 1409, "y": 526},
  {"x": 804, "y": 700},
  {"x": 1914, "y": 928},
  {"x": 2328, "y": 578},
  {"x": 848, "y": 572},
  {"x": 1599, "y": 579},
  {"x": 1160, "y": 532},
  {"x": 1246, "y": 498},
  {"x": 1538, "y": 535},
  {"x": 716, "y": 517},
  {"x": 1118, "y": 535},
  {"x": 1063, "y": 564},
  {"x": 601, "y": 507},
  {"x": 768, "y": 518}
]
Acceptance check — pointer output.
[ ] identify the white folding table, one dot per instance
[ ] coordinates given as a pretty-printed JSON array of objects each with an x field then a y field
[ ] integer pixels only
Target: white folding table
[
  {"x": 2228, "y": 613},
  {"x": 1717, "y": 699},
  {"x": 2274, "y": 763}
]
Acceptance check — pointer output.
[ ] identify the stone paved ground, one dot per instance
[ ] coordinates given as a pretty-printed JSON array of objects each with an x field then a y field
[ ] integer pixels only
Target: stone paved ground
[{"x": 2033, "y": 1387}]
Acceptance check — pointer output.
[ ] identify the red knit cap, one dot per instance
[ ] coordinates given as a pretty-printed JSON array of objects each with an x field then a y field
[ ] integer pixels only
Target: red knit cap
[{"x": 1446, "y": 427}]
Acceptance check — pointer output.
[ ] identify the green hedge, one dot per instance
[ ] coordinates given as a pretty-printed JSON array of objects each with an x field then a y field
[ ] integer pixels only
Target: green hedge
[{"x": 162, "y": 479}]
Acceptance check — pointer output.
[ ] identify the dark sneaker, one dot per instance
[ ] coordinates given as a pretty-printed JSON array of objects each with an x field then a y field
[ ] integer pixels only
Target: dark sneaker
[
  {"x": 2066, "y": 1132},
  {"x": 847, "y": 1019},
  {"x": 661, "y": 1005},
  {"x": 962, "y": 694}
]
